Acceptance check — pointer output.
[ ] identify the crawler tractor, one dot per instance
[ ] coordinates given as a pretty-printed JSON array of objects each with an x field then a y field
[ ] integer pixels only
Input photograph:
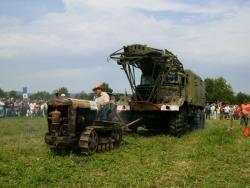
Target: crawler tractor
[{"x": 72, "y": 124}]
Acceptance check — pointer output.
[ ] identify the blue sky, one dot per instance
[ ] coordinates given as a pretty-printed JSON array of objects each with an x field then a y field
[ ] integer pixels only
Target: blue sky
[{"x": 47, "y": 44}]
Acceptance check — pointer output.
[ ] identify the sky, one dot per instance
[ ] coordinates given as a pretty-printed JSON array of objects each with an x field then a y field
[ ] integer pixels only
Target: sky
[{"x": 47, "y": 44}]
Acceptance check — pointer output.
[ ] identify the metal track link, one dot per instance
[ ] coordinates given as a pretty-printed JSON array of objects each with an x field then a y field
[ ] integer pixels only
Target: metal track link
[
  {"x": 84, "y": 142},
  {"x": 89, "y": 142}
]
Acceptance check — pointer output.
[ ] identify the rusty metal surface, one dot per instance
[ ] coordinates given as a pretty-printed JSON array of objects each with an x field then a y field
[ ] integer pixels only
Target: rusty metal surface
[
  {"x": 71, "y": 124},
  {"x": 76, "y": 103}
]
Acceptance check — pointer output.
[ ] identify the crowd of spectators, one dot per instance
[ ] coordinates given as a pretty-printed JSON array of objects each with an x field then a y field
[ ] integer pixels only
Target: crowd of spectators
[
  {"x": 24, "y": 107},
  {"x": 10, "y": 107},
  {"x": 221, "y": 111}
]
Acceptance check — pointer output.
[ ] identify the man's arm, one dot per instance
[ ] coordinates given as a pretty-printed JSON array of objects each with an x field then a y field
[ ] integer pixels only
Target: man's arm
[{"x": 106, "y": 98}]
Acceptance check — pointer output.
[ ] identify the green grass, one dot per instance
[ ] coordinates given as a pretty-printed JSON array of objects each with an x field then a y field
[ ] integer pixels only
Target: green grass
[{"x": 202, "y": 158}]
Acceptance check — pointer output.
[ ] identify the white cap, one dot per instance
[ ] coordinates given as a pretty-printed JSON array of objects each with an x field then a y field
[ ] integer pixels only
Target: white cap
[{"x": 63, "y": 95}]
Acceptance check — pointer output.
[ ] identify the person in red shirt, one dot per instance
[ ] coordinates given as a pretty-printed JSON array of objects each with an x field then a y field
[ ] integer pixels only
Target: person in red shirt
[
  {"x": 245, "y": 113},
  {"x": 236, "y": 113}
]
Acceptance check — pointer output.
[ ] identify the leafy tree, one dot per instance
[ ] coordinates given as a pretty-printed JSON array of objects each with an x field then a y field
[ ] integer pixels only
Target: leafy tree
[
  {"x": 40, "y": 95},
  {"x": 82, "y": 95},
  {"x": 64, "y": 90},
  {"x": 209, "y": 83},
  {"x": 106, "y": 87},
  {"x": 219, "y": 90},
  {"x": 91, "y": 96},
  {"x": 14, "y": 94},
  {"x": 2, "y": 93},
  {"x": 242, "y": 97}
]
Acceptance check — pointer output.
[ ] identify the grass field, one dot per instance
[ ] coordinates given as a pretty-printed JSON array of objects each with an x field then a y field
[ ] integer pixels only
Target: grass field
[{"x": 202, "y": 158}]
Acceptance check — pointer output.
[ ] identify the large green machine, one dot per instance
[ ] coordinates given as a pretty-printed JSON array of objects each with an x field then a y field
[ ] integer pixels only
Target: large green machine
[{"x": 167, "y": 97}]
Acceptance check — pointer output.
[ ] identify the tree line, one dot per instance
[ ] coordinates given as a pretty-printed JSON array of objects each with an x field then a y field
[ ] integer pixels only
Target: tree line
[
  {"x": 45, "y": 95},
  {"x": 217, "y": 89}
]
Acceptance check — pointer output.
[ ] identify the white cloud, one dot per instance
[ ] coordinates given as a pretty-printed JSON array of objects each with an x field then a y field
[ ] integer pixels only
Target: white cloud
[
  {"x": 147, "y": 5},
  {"x": 91, "y": 28}
]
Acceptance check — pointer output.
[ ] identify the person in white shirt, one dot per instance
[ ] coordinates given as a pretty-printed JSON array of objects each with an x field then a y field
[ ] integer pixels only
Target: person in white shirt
[
  {"x": 226, "y": 111},
  {"x": 32, "y": 108},
  {"x": 101, "y": 97},
  {"x": 102, "y": 100},
  {"x": 213, "y": 112}
]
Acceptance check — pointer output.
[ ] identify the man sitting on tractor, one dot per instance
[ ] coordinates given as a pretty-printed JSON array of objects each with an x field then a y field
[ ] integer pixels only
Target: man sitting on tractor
[{"x": 102, "y": 100}]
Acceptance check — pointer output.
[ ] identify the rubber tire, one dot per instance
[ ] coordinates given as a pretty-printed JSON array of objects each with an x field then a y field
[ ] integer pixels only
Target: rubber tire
[
  {"x": 177, "y": 124},
  {"x": 199, "y": 119}
]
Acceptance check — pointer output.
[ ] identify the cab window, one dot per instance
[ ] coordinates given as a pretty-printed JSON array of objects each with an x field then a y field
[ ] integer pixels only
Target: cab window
[{"x": 171, "y": 78}]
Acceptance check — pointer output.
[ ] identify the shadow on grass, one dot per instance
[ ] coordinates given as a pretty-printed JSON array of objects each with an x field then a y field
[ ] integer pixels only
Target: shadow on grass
[
  {"x": 63, "y": 151},
  {"x": 156, "y": 132},
  {"x": 149, "y": 133}
]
